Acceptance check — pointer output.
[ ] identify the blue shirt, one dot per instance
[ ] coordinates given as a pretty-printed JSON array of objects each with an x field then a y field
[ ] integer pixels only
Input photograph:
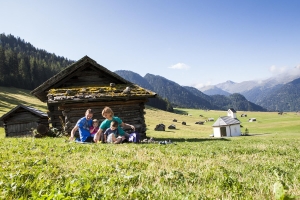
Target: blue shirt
[
  {"x": 84, "y": 128},
  {"x": 106, "y": 124}
]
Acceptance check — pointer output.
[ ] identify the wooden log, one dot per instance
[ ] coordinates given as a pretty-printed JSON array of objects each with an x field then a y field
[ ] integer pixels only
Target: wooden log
[{"x": 97, "y": 104}]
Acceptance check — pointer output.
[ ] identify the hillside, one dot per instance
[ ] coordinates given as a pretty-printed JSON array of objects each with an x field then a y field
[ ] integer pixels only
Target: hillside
[
  {"x": 284, "y": 98},
  {"x": 213, "y": 90},
  {"x": 223, "y": 102},
  {"x": 263, "y": 92},
  {"x": 24, "y": 66},
  {"x": 176, "y": 94},
  {"x": 274, "y": 94},
  {"x": 135, "y": 78},
  {"x": 189, "y": 97},
  {"x": 10, "y": 97}
]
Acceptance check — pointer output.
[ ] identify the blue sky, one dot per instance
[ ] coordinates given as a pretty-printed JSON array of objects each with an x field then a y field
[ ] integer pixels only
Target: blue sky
[{"x": 193, "y": 43}]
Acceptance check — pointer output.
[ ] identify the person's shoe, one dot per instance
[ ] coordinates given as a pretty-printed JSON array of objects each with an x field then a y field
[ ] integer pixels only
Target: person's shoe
[{"x": 145, "y": 140}]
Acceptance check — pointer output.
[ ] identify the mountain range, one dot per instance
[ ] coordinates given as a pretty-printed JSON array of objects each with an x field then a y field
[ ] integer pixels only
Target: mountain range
[
  {"x": 278, "y": 93},
  {"x": 188, "y": 97}
]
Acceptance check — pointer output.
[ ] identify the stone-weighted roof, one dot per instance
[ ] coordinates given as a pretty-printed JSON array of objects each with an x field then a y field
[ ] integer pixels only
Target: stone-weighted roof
[{"x": 118, "y": 91}]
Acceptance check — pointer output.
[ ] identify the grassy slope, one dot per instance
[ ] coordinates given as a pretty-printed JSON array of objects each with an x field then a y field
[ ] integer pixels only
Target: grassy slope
[
  {"x": 11, "y": 97},
  {"x": 197, "y": 167},
  {"x": 267, "y": 122}
]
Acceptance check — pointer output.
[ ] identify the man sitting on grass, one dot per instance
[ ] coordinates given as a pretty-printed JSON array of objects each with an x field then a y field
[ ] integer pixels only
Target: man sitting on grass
[{"x": 83, "y": 125}]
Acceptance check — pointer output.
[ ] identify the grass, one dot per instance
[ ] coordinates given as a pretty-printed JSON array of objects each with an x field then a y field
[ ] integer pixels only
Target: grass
[
  {"x": 11, "y": 97},
  {"x": 195, "y": 166}
]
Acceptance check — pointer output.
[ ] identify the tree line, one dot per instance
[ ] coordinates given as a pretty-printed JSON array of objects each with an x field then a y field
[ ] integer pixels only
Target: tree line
[{"x": 24, "y": 66}]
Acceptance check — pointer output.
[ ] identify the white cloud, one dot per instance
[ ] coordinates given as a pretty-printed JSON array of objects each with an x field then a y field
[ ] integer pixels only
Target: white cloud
[
  {"x": 277, "y": 70},
  {"x": 297, "y": 67},
  {"x": 201, "y": 85},
  {"x": 180, "y": 66}
]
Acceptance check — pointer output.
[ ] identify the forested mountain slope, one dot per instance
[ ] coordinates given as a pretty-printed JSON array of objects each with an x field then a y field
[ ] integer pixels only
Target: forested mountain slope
[
  {"x": 186, "y": 96},
  {"x": 176, "y": 94},
  {"x": 284, "y": 98},
  {"x": 158, "y": 102},
  {"x": 24, "y": 66}
]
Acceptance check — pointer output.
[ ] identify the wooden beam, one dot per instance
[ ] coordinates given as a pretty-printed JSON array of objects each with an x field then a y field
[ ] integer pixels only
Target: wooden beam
[{"x": 96, "y": 104}]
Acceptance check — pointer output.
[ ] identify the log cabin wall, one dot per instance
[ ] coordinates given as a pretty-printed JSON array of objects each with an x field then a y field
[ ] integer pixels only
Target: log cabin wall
[
  {"x": 21, "y": 124},
  {"x": 20, "y": 130},
  {"x": 131, "y": 112},
  {"x": 55, "y": 116}
]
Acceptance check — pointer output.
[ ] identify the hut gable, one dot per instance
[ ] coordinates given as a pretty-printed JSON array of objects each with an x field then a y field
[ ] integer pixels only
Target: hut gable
[
  {"x": 21, "y": 119},
  {"x": 83, "y": 73}
]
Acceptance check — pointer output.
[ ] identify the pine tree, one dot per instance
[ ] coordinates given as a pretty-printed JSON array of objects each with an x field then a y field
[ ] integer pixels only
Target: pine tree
[
  {"x": 3, "y": 67},
  {"x": 34, "y": 73},
  {"x": 24, "y": 70},
  {"x": 13, "y": 66}
]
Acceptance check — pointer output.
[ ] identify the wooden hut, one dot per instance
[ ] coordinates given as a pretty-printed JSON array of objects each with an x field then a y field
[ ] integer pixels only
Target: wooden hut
[
  {"x": 86, "y": 84},
  {"x": 21, "y": 120}
]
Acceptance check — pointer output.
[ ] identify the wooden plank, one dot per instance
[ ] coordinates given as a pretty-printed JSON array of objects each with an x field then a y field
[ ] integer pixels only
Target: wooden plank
[
  {"x": 22, "y": 117},
  {"x": 21, "y": 127},
  {"x": 97, "y": 104}
]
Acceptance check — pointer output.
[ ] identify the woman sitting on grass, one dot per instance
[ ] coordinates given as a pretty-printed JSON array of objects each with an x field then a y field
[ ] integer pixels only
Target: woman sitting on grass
[{"x": 108, "y": 114}]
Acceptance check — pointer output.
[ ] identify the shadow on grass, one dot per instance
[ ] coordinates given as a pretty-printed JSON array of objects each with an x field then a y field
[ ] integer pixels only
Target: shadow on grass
[
  {"x": 257, "y": 134},
  {"x": 14, "y": 101},
  {"x": 191, "y": 139},
  {"x": 181, "y": 112}
]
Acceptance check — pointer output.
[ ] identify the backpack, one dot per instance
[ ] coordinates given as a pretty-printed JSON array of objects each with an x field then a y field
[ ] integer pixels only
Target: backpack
[{"x": 134, "y": 137}]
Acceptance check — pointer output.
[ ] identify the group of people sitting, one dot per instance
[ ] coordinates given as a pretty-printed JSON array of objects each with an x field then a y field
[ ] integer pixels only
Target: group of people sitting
[{"x": 109, "y": 131}]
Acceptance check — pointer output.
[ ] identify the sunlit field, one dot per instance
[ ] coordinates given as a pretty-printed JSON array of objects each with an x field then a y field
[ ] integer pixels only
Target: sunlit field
[{"x": 263, "y": 165}]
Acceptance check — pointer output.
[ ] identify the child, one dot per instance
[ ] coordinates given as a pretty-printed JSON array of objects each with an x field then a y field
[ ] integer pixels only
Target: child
[
  {"x": 111, "y": 134},
  {"x": 94, "y": 129},
  {"x": 108, "y": 114}
]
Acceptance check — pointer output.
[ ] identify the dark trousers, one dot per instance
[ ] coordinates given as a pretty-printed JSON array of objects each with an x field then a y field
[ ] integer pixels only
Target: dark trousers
[{"x": 89, "y": 139}]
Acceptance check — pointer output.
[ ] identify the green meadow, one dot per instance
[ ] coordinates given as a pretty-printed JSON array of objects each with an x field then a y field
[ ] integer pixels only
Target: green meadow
[{"x": 263, "y": 165}]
